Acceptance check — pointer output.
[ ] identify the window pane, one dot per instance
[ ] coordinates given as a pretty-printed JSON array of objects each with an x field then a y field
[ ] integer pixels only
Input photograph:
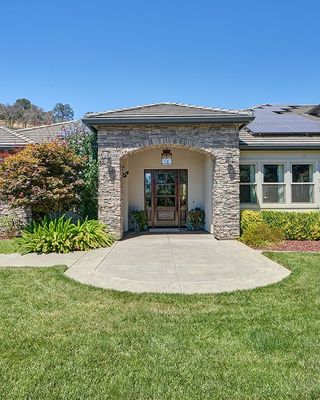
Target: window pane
[
  {"x": 161, "y": 189},
  {"x": 147, "y": 176},
  {"x": 171, "y": 201},
  {"x": 171, "y": 177},
  {"x": 161, "y": 177},
  {"x": 171, "y": 190},
  {"x": 183, "y": 176},
  {"x": 248, "y": 194},
  {"x": 302, "y": 193},
  {"x": 273, "y": 173},
  {"x": 148, "y": 201},
  {"x": 302, "y": 172},
  {"x": 273, "y": 193},
  {"x": 161, "y": 201},
  {"x": 147, "y": 183},
  {"x": 247, "y": 173}
]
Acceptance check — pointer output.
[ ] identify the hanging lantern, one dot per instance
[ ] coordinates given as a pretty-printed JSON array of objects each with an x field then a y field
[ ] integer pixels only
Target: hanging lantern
[{"x": 166, "y": 157}]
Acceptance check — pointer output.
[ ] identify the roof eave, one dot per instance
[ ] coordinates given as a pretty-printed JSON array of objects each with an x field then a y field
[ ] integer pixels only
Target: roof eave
[
  {"x": 234, "y": 119},
  {"x": 310, "y": 146}
]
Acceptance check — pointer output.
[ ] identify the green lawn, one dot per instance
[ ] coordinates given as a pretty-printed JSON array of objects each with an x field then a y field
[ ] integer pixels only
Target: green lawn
[
  {"x": 63, "y": 340},
  {"x": 9, "y": 246}
]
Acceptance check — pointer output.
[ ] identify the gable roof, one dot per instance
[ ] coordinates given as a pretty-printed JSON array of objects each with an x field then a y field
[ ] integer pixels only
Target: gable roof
[
  {"x": 166, "y": 112},
  {"x": 284, "y": 119}
]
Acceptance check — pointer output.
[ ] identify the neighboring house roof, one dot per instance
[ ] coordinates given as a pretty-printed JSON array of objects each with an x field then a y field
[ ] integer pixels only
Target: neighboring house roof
[
  {"x": 44, "y": 133},
  {"x": 166, "y": 113},
  {"x": 10, "y": 139},
  {"x": 283, "y": 126}
]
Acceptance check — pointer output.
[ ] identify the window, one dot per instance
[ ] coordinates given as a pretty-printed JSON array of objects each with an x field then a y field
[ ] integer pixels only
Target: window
[
  {"x": 302, "y": 187},
  {"x": 248, "y": 184},
  {"x": 273, "y": 183}
]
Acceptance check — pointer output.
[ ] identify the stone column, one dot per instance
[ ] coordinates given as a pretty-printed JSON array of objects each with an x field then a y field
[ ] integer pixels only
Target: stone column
[
  {"x": 110, "y": 190},
  {"x": 226, "y": 202}
]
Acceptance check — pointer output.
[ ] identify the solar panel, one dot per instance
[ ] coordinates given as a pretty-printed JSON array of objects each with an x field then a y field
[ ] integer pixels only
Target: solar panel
[{"x": 279, "y": 119}]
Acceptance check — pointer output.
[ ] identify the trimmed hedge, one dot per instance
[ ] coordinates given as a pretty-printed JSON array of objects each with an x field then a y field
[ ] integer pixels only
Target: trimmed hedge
[{"x": 295, "y": 225}]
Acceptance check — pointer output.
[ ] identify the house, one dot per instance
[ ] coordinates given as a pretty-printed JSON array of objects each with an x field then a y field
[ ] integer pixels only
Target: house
[{"x": 168, "y": 158}]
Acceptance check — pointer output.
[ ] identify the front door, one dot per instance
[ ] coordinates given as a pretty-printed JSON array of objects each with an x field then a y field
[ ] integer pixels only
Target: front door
[{"x": 166, "y": 197}]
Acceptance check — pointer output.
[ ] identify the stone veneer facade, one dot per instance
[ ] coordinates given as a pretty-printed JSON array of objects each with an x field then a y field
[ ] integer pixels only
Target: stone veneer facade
[
  {"x": 22, "y": 216},
  {"x": 221, "y": 142}
]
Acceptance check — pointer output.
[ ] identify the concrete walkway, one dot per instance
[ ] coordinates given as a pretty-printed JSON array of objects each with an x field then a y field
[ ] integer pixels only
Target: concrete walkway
[{"x": 167, "y": 263}]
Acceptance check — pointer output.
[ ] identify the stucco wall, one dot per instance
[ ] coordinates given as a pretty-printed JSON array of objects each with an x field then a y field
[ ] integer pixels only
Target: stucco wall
[{"x": 150, "y": 159}]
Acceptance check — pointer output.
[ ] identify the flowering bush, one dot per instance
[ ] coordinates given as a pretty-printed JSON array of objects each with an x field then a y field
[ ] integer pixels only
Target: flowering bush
[
  {"x": 84, "y": 143},
  {"x": 43, "y": 177}
]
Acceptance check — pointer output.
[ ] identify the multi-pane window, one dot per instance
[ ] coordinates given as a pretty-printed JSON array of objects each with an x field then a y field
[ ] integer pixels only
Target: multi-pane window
[
  {"x": 248, "y": 183},
  {"x": 302, "y": 187},
  {"x": 273, "y": 183}
]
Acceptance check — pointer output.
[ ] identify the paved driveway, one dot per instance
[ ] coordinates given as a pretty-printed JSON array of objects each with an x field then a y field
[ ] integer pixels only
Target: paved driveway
[
  {"x": 168, "y": 263},
  {"x": 177, "y": 263}
]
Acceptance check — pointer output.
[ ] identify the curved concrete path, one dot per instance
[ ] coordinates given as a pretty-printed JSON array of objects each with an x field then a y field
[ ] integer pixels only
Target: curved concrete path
[{"x": 166, "y": 263}]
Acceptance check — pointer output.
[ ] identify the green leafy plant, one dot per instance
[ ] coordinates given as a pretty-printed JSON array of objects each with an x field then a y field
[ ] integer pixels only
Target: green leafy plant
[
  {"x": 195, "y": 219},
  {"x": 262, "y": 235},
  {"x": 295, "y": 225},
  {"x": 61, "y": 235},
  {"x": 91, "y": 234},
  {"x": 249, "y": 218},
  {"x": 84, "y": 143},
  {"x": 138, "y": 220}
]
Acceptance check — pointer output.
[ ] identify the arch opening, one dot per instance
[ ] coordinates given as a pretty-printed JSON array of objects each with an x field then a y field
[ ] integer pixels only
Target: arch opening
[{"x": 167, "y": 192}]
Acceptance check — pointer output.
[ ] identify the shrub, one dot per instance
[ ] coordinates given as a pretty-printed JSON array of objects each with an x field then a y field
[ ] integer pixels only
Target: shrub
[
  {"x": 295, "y": 225},
  {"x": 84, "y": 143},
  {"x": 249, "y": 218},
  {"x": 138, "y": 220},
  {"x": 195, "y": 219},
  {"x": 61, "y": 235},
  {"x": 262, "y": 235},
  {"x": 45, "y": 177}
]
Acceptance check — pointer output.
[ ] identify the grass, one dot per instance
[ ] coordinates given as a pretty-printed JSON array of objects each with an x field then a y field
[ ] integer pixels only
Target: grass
[
  {"x": 8, "y": 246},
  {"x": 63, "y": 340}
]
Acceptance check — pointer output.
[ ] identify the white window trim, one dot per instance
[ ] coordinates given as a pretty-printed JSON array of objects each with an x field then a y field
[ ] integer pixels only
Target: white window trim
[
  {"x": 287, "y": 161},
  {"x": 306, "y": 162},
  {"x": 284, "y": 183},
  {"x": 246, "y": 205}
]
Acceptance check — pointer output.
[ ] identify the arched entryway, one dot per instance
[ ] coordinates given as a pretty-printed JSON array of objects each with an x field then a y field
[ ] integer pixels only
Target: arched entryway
[{"x": 167, "y": 191}]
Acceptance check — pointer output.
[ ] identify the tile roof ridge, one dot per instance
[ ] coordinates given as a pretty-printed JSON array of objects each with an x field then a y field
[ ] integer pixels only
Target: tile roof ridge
[
  {"x": 223, "y": 110},
  {"x": 45, "y": 126}
]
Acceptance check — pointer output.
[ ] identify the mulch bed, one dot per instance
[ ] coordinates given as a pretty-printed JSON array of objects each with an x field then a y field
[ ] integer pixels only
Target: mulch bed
[{"x": 297, "y": 245}]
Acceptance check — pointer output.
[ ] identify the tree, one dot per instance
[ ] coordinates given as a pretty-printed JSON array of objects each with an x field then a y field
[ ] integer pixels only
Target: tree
[
  {"x": 43, "y": 177},
  {"x": 23, "y": 113},
  {"x": 62, "y": 112},
  {"x": 84, "y": 143},
  {"x": 25, "y": 104}
]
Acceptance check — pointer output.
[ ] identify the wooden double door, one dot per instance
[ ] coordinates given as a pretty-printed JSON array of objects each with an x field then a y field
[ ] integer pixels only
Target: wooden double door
[{"x": 166, "y": 197}]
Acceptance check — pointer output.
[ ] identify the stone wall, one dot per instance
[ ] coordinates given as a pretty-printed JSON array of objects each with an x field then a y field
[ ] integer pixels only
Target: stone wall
[
  {"x": 22, "y": 216},
  {"x": 221, "y": 142}
]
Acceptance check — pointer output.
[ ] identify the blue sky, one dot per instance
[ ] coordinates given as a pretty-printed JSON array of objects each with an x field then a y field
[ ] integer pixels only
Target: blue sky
[{"x": 98, "y": 55}]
